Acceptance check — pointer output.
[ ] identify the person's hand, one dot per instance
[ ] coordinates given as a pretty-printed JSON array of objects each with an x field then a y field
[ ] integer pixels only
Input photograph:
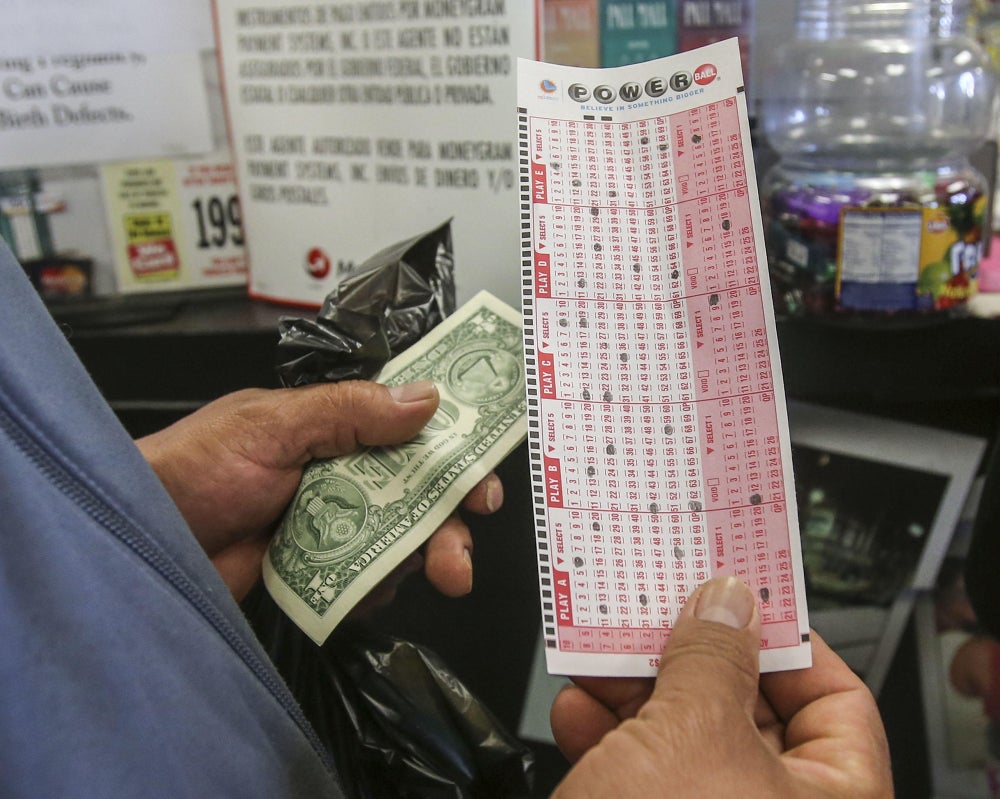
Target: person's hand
[
  {"x": 232, "y": 467},
  {"x": 704, "y": 728},
  {"x": 973, "y": 669}
]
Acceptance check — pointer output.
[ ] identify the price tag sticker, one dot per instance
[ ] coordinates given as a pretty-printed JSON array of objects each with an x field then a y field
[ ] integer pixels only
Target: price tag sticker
[
  {"x": 175, "y": 224},
  {"x": 214, "y": 225},
  {"x": 658, "y": 435}
]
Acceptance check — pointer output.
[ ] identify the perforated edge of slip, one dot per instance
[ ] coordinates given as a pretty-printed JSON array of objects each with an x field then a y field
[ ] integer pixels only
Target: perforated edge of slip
[{"x": 531, "y": 383}]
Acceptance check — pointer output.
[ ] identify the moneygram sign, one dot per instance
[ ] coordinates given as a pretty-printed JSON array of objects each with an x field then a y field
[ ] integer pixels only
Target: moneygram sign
[{"x": 681, "y": 82}]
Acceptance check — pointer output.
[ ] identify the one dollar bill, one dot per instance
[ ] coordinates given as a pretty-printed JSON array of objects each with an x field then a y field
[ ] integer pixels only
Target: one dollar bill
[{"x": 357, "y": 517}]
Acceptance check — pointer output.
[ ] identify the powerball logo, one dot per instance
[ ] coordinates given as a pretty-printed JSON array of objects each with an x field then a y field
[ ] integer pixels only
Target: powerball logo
[
  {"x": 658, "y": 88},
  {"x": 681, "y": 82}
]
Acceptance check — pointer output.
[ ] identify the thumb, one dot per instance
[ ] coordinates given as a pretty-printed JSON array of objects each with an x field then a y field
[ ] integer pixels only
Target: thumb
[
  {"x": 711, "y": 658},
  {"x": 695, "y": 736},
  {"x": 328, "y": 420}
]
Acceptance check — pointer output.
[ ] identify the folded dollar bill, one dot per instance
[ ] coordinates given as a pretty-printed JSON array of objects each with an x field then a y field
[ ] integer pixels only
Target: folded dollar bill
[{"x": 357, "y": 517}]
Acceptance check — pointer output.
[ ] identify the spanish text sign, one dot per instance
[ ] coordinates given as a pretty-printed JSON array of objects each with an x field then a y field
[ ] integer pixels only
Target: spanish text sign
[{"x": 356, "y": 124}]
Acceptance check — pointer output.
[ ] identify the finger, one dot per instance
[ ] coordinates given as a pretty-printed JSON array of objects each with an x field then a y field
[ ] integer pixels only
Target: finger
[
  {"x": 763, "y": 714},
  {"x": 584, "y": 712},
  {"x": 771, "y": 728},
  {"x": 831, "y": 719},
  {"x": 448, "y": 556},
  {"x": 713, "y": 651},
  {"x": 579, "y": 721},
  {"x": 385, "y": 592},
  {"x": 788, "y": 692},
  {"x": 486, "y": 497},
  {"x": 239, "y": 564},
  {"x": 714, "y": 646},
  {"x": 326, "y": 420},
  {"x": 623, "y": 696}
]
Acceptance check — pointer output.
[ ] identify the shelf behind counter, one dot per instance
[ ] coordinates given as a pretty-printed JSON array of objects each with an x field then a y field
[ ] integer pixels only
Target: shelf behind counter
[{"x": 159, "y": 356}]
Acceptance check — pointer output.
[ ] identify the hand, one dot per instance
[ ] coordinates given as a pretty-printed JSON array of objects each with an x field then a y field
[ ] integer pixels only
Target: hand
[
  {"x": 706, "y": 727},
  {"x": 232, "y": 467}
]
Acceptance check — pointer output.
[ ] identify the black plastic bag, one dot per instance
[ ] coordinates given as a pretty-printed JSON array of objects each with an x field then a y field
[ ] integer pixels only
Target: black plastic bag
[
  {"x": 390, "y": 302},
  {"x": 396, "y": 720}
]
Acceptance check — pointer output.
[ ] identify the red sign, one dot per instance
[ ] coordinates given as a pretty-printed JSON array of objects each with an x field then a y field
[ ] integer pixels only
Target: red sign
[{"x": 153, "y": 257}]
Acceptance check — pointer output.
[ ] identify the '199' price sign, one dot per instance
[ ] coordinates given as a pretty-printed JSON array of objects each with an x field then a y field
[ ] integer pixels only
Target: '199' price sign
[
  {"x": 215, "y": 239},
  {"x": 218, "y": 221}
]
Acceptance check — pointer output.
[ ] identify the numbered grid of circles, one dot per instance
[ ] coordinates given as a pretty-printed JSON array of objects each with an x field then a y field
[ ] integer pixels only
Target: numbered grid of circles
[{"x": 654, "y": 322}]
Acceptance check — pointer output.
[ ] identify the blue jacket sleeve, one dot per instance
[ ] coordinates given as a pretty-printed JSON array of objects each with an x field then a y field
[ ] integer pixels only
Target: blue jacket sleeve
[{"x": 126, "y": 667}]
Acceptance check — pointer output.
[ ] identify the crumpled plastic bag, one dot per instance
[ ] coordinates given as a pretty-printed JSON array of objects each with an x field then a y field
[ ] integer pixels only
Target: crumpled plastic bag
[
  {"x": 376, "y": 312},
  {"x": 397, "y": 721}
]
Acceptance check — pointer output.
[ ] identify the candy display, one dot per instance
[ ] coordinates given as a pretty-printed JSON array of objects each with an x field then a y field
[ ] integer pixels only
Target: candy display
[
  {"x": 852, "y": 242},
  {"x": 873, "y": 207}
]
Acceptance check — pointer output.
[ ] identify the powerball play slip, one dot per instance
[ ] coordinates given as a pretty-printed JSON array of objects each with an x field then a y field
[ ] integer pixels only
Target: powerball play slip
[{"x": 658, "y": 437}]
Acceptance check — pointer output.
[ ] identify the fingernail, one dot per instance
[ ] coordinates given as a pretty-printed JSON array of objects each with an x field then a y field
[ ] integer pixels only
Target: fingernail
[
  {"x": 725, "y": 600},
  {"x": 494, "y": 493},
  {"x": 413, "y": 392},
  {"x": 467, "y": 557}
]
